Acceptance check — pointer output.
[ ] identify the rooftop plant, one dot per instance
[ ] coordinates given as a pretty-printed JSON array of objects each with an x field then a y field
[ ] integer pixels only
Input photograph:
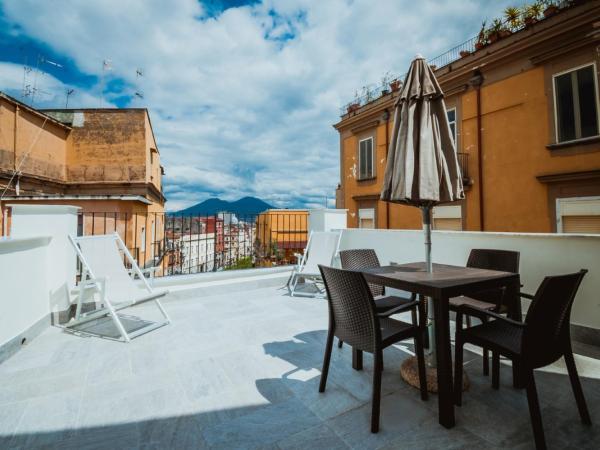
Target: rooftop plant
[
  {"x": 482, "y": 37},
  {"x": 533, "y": 12},
  {"x": 512, "y": 15}
]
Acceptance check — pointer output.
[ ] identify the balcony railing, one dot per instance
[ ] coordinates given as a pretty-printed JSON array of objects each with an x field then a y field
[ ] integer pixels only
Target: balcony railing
[
  {"x": 372, "y": 92},
  {"x": 184, "y": 244}
]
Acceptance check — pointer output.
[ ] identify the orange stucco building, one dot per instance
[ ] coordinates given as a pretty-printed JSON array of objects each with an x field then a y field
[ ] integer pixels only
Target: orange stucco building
[
  {"x": 105, "y": 161},
  {"x": 282, "y": 232},
  {"x": 526, "y": 119}
]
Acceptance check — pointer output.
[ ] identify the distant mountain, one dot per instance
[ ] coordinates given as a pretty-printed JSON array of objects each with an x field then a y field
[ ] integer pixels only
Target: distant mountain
[{"x": 242, "y": 207}]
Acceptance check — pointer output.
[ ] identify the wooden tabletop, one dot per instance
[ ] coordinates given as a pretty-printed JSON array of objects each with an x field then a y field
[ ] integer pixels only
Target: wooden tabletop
[{"x": 444, "y": 281}]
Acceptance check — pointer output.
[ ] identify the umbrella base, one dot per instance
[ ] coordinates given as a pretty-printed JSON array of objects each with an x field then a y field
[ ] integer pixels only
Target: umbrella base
[{"x": 410, "y": 373}]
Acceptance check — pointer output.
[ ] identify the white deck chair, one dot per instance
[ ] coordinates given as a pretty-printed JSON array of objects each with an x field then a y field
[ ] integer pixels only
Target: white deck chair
[
  {"x": 103, "y": 269},
  {"x": 321, "y": 248}
]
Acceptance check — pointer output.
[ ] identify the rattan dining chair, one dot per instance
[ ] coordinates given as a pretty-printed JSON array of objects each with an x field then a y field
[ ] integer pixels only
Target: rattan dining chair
[
  {"x": 490, "y": 300},
  {"x": 353, "y": 318},
  {"x": 366, "y": 258},
  {"x": 541, "y": 340}
]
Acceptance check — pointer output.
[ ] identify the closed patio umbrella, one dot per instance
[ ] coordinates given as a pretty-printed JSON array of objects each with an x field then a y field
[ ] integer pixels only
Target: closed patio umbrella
[{"x": 422, "y": 167}]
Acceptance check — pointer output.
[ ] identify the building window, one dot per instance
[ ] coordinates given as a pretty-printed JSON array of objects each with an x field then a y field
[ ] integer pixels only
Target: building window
[
  {"x": 576, "y": 104},
  {"x": 365, "y": 159},
  {"x": 366, "y": 218},
  {"x": 452, "y": 122},
  {"x": 578, "y": 215}
]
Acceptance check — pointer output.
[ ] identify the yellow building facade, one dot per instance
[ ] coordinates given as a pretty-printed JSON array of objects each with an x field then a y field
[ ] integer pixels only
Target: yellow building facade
[
  {"x": 105, "y": 161},
  {"x": 282, "y": 232},
  {"x": 526, "y": 118}
]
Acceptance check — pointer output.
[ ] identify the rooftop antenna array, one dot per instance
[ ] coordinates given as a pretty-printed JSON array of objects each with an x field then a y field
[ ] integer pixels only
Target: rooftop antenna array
[
  {"x": 139, "y": 94},
  {"x": 30, "y": 89}
]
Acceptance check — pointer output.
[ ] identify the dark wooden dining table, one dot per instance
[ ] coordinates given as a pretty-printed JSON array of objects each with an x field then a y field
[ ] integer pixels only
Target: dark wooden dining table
[{"x": 443, "y": 283}]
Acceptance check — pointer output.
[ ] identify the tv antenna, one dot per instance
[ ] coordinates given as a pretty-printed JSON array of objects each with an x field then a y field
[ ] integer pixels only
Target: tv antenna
[
  {"x": 30, "y": 89},
  {"x": 106, "y": 66},
  {"x": 68, "y": 93},
  {"x": 139, "y": 94}
]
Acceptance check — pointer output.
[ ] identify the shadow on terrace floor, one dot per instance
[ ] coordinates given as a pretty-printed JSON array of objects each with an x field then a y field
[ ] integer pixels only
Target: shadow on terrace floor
[{"x": 295, "y": 415}]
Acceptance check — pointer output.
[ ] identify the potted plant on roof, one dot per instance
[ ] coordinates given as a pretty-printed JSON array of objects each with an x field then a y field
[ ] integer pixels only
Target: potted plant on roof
[
  {"x": 395, "y": 85},
  {"x": 464, "y": 53},
  {"x": 385, "y": 84},
  {"x": 354, "y": 104},
  {"x": 494, "y": 31},
  {"x": 551, "y": 8},
  {"x": 482, "y": 38},
  {"x": 367, "y": 94},
  {"x": 532, "y": 13},
  {"x": 505, "y": 31},
  {"x": 513, "y": 17}
]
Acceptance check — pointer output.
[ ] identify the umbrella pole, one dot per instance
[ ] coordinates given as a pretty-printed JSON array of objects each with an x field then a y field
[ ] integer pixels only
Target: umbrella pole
[
  {"x": 431, "y": 357},
  {"x": 427, "y": 230}
]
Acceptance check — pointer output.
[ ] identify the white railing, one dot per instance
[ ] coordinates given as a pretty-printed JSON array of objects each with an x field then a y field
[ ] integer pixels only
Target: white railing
[{"x": 541, "y": 254}]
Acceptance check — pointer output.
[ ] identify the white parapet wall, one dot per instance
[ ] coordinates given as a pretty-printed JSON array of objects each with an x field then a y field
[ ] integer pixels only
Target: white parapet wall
[
  {"x": 24, "y": 299},
  {"x": 541, "y": 255},
  {"x": 57, "y": 221},
  {"x": 327, "y": 219}
]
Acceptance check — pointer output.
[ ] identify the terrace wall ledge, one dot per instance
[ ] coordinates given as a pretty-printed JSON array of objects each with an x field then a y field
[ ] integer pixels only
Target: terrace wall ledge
[
  {"x": 481, "y": 233},
  {"x": 195, "y": 280},
  {"x": 12, "y": 244}
]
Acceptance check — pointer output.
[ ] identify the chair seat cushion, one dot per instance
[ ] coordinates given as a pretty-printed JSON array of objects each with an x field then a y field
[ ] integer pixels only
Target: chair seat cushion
[
  {"x": 386, "y": 302},
  {"x": 497, "y": 333},
  {"x": 394, "y": 330}
]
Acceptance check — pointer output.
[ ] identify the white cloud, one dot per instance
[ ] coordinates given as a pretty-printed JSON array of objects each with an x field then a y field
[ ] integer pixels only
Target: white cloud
[{"x": 235, "y": 108}]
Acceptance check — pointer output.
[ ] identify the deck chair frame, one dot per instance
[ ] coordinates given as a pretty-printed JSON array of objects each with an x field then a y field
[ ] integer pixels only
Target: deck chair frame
[
  {"x": 89, "y": 280},
  {"x": 316, "y": 278}
]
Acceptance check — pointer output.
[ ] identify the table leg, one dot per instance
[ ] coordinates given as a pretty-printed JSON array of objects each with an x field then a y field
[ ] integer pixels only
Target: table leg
[
  {"x": 357, "y": 359},
  {"x": 515, "y": 313},
  {"x": 444, "y": 363}
]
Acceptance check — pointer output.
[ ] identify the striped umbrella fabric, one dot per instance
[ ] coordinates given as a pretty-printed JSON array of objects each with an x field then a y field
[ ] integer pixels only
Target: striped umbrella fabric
[{"x": 422, "y": 167}]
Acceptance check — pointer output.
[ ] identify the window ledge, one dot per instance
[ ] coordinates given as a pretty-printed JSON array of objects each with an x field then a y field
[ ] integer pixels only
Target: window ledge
[
  {"x": 582, "y": 141},
  {"x": 366, "y": 179}
]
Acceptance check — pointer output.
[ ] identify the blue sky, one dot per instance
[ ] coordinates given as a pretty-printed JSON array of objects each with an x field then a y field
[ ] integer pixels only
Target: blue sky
[{"x": 241, "y": 94}]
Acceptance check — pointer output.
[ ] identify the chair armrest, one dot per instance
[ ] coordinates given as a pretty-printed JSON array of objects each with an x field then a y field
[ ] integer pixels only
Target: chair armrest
[
  {"x": 399, "y": 309},
  {"x": 471, "y": 310},
  {"x": 524, "y": 295}
]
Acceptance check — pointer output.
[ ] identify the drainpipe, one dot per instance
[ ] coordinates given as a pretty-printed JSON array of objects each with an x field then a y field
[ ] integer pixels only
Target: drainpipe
[
  {"x": 386, "y": 117},
  {"x": 476, "y": 81},
  {"x": 15, "y": 138}
]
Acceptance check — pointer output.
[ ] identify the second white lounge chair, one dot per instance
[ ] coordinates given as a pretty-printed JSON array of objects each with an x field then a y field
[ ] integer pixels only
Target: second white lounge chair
[{"x": 321, "y": 248}]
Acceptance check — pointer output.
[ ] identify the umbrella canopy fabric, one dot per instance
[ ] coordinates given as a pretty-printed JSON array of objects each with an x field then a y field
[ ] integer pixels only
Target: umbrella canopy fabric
[{"x": 422, "y": 167}]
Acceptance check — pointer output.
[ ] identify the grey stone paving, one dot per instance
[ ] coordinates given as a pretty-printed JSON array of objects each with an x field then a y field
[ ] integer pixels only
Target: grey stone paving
[{"x": 241, "y": 370}]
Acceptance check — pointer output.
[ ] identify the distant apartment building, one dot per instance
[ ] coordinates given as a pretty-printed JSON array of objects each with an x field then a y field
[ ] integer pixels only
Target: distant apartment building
[
  {"x": 198, "y": 253},
  {"x": 525, "y": 115},
  {"x": 105, "y": 161},
  {"x": 282, "y": 232},
  {"x": 211, "y": 243}
]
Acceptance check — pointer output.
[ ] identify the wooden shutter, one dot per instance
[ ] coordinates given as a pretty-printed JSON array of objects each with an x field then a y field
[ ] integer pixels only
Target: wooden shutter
[
  {"x": 365, "y": 159},
  {"x": 581, "y": 224}
]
